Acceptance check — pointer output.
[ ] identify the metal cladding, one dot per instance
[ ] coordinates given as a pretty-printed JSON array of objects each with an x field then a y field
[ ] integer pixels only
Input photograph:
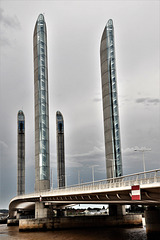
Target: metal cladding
[
  {"x": 60, "y": 150},
  {"x": 42, "y": 162},
  {"x": 110, "y": 103},
  {"x": 21, "y": 153}
]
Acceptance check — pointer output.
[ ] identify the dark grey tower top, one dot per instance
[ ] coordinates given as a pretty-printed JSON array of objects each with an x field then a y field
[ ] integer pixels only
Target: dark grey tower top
[
  {"x": 21, "y": 124},
  {"x": 109, "y": 24},
  {"x": 60, "y": 123},
  {"x": 41, "y": 23},
  {"x": 20, "y": 112}
]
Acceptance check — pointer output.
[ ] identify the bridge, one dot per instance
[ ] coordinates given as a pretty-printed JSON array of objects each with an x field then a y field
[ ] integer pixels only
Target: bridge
[
  {"x": 114, "y": 191},
  {"x": 108, "y": 191}
]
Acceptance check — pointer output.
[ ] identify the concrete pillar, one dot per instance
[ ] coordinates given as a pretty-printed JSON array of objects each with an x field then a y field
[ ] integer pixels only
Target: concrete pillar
[
  {"x": 18, "y": 215},
  {"x": 60, "y": 150},
  {"x": 117, "y": 210},
  {"x": 60, "y": 213},
  {"x": 110, "y": 103},
  {"x": 42, "y": 154},
  {"x": 41, "y": 211},
  {"x": 12, "y": 222},
  {"x": 152, "y": 219},
  {"x": 21, "y": 153}
]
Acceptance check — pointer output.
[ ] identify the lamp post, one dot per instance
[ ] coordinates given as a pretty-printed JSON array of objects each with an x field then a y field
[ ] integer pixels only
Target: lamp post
[
  {"x": 51, "y": 179},
  {"x": 93, "y": 172},
  {"x": 66, "y": 180},
  {"x": 77, "y": 173},
  {"x": 79, "y": 181},
  {"x": 143, "y": 150}
]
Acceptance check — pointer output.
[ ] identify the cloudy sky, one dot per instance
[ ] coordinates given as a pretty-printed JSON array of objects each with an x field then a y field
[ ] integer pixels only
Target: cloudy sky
[{"x": 74, "y": 34}]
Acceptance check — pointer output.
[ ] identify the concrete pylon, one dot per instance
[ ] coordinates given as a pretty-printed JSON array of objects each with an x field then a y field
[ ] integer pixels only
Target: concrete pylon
[
  {"x": 110, "y": 109},
  {"x": 21, "y": 153},
  {"x": 152, "y": 219},
  {"x": 42, "y": 160},
  {"x": 60, "y": 150},
  {"x": 110, "y": 103}
]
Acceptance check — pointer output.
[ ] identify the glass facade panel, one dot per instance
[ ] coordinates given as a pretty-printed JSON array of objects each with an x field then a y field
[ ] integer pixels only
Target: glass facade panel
[
  {"x": 40, "y": 52},
  {"x": 44, "y": 172},
  {"x": 112, "y": 93}
]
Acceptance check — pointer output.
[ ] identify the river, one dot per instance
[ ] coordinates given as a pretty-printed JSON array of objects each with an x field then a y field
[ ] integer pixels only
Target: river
[{"x": 12, "y": 233}]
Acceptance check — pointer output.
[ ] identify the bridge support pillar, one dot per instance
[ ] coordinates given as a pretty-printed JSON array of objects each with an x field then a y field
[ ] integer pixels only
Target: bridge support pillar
[
  {"x": 60, "y": 213},
  {"x": 41, "y": 211},
  {"x": 18, "y": 215},
  {"x": 117, "y": 210},
  {"x": 152, "y": 219}
]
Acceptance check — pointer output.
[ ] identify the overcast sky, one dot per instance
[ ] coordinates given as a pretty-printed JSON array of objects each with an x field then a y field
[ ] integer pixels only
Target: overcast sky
[{"x": 74, "y": 32}]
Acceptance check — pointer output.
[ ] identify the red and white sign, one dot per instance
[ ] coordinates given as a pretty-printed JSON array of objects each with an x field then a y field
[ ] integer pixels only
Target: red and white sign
[{"x": 136, "y": 193}]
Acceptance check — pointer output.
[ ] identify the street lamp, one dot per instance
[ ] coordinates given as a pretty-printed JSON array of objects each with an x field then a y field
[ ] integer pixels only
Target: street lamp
[
  {"x": 143, "y": 150},
  {"x": 78, "y": 174},
  {"x": 66, "y": 180},
  {"x": 51, "y": 179},
  {"x": 93, "y": 172},
  {"x": 79, "y": 181}
]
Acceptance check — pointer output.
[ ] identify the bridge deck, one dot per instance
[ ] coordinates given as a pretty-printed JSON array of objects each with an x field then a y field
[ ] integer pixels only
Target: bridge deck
[{"x": 117, "y": 190}]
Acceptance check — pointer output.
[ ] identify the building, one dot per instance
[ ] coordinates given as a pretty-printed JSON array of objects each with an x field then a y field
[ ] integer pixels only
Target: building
[
  {"x": 110, "y": 103},
  {"x": 42, "y": 159},
  {"x": 60, "y": 150},
  {"x": 21, "y": 153}
]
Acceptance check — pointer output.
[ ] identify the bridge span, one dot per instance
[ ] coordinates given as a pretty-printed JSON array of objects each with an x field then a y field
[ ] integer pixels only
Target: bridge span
[{"x": 108, "y": 191}]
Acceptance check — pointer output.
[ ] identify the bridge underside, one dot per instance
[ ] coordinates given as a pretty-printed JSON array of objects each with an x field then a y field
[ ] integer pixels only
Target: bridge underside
[{"x": 148, "y": 197}]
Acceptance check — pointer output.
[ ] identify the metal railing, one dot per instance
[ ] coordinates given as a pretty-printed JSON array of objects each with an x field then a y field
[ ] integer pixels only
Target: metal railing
[
  {"x": 148, "y": 177},
  {"x": 142, "y": 178}
]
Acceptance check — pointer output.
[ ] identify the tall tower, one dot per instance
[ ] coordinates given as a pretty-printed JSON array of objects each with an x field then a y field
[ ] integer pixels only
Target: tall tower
[
  {"x": 110, "y": 103},
  {"x": 42, "y": 162},
  {"x": 21, "y": 153},
  {"x": 60, "y": 150}
]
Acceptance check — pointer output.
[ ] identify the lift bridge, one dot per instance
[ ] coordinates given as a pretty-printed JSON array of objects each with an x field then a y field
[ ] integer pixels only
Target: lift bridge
[{"x": 108, "y": 191}]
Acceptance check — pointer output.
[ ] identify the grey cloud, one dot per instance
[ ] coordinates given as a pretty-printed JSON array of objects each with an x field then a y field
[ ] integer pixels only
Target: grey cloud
[
  {"x": 140, "y": 100},
  {"x": 128, "y": 151},
  {"x": 8, "y": 21},
  {"x": 3, "y": 144},
  {"x": 96, "y": 151},
  {"x": 78, "y": 160},
  {"x": 155, "y": 101},
  {"x": 97, "y": 100},
  {"x": 88, "y": 158},
  {"x": 4, "y": 41},
  {"x": 147, "y": 101}
]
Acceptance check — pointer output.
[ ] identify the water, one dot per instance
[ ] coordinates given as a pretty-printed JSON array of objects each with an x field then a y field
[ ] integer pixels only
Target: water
[{"x": 12, "y": 233}]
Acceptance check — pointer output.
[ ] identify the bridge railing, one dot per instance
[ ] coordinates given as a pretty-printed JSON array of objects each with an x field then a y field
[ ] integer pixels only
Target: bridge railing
[{"x": 141, "y": 178}]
